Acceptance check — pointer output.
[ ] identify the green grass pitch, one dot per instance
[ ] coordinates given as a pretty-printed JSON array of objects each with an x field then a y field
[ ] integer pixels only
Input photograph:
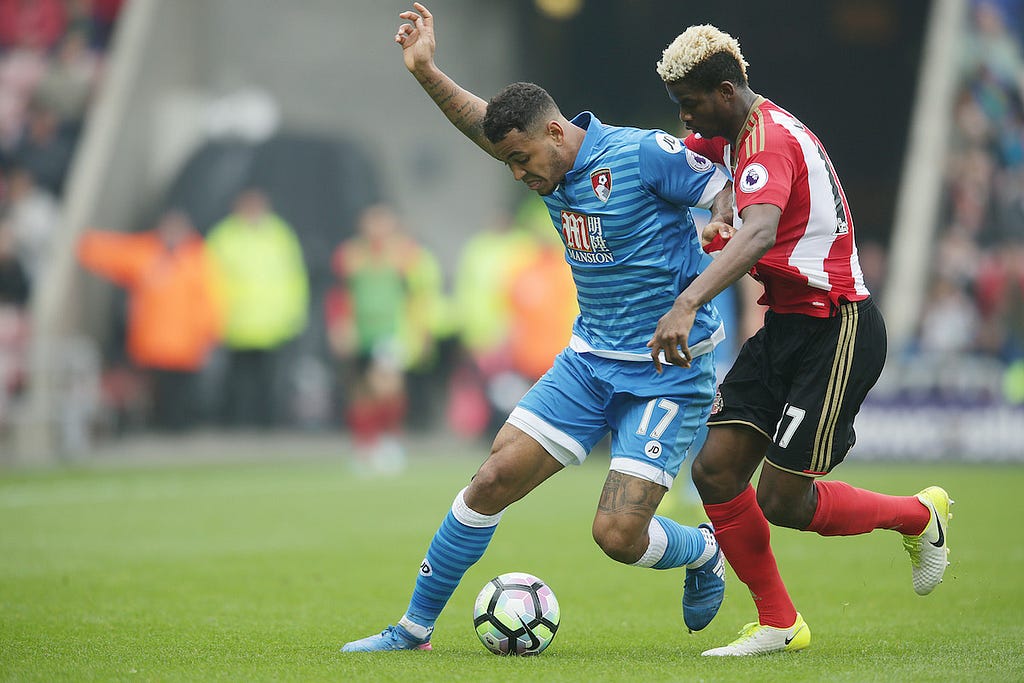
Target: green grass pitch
[{"x": 261, "y": 570}]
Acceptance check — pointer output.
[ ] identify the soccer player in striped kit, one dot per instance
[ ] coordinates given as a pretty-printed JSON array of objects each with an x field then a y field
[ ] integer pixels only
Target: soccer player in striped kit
[
  {"x": 619, "y": 198},
  {"x": 796, "y": 386}
]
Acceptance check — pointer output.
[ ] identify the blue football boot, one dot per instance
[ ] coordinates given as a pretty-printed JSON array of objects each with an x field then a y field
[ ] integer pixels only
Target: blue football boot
[
  {"x": 391, "y": 638},
  {"x": 704, "y": 589}
]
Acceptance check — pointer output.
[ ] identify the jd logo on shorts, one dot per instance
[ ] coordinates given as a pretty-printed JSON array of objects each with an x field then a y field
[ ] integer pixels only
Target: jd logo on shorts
[{"x": 653, "y": 450}]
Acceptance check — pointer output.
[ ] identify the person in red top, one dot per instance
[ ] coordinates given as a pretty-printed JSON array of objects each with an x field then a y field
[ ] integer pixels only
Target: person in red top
[
  {"x": 791, "y": 397},
  {"x": 39, "y": 23}
]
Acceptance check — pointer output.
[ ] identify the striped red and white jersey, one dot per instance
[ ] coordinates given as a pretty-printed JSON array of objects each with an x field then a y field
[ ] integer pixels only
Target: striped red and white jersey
[{"x": 813, "y": 267}]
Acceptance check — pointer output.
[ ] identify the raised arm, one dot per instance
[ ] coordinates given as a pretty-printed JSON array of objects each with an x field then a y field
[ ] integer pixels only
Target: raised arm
[{"x": 464, "y": 109}]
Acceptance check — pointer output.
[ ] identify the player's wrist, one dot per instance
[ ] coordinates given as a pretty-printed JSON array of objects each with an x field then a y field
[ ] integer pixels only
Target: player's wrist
[
  {"x": 425, "y": 72},
  {"x": 685, "y": 303}
]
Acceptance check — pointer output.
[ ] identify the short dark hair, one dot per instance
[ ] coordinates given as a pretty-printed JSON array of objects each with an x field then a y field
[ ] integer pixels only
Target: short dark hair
[
  {"x": 718, "y": 67},
  {"x": 519, "y": 106}
]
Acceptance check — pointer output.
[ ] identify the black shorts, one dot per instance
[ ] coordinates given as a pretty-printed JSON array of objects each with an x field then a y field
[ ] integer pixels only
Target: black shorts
[{"x": 800, "y": 381}]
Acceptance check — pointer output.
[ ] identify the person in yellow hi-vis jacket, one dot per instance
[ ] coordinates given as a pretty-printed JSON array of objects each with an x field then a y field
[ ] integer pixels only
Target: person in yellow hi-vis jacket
[{"x": 264, "y": 285}]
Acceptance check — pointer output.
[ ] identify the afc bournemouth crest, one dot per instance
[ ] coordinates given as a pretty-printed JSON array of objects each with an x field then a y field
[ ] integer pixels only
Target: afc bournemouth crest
[{"x": 601, "y": 181}]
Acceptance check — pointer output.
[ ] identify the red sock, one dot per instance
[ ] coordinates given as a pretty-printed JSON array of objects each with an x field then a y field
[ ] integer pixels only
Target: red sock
[
  {"x": 743, "y": 534},
  {"x": 391, "y": 412},
  {"x": 363, "y": 419},
  {"x": 847, "y": 511}
]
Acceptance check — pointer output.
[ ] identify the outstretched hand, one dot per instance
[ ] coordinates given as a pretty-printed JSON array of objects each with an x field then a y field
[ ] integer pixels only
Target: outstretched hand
[{"x": 417, "y": 38}]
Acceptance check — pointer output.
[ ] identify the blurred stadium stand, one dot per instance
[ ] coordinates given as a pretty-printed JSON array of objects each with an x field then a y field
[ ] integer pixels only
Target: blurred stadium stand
[
  {"x": 309, "y": 99},
  {"x": 954, "y": 387},
  {"x": 185, "y": 73}
]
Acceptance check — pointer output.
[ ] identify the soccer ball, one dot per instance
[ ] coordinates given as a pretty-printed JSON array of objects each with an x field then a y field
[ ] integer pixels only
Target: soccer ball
[{"x": 516, "y": 614}]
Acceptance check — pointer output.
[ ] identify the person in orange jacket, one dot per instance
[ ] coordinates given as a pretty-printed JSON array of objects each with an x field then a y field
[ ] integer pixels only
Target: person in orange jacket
[
  {"x": 542, "y": 298},
  {"x": 174, "y": 318}
]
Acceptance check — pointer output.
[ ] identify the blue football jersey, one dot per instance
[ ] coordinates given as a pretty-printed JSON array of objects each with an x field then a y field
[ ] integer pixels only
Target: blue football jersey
[{"x": 623, "y": 214}]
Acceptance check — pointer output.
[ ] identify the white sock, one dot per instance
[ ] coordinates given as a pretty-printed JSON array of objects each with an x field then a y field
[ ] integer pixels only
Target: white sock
[
  {"x": 656, "y": 548},
  {"x": 414, "y": 629},
  {"x": 710, "y": 548}
]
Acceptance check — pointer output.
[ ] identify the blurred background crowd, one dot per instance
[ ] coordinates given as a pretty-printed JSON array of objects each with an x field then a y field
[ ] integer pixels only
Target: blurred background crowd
[
  {"x": 258, "y": 270},
  {"x": 975, "y": 302},
  {"x": 52, "y": 55}
]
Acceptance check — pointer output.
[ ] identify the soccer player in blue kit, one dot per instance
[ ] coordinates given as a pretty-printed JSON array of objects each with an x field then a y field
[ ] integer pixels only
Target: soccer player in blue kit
[{"x": 620, "y": 199}]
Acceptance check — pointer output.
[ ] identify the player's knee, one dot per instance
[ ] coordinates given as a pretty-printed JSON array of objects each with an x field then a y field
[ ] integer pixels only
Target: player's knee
[
  {"x": 781, "y": 511},
  {"x": 492, "y": 489},
  {"x": 787, "y": 500},
  {"x": 701, "y": 475},
  {"x": 617, "y": 542},
  {"x": 714, "y": 484},
  {"x": 773, "y": 511}
]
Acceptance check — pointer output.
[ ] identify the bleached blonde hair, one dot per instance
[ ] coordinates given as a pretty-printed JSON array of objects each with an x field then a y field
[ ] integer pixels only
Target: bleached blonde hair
[{"x": 692, "y": 47}]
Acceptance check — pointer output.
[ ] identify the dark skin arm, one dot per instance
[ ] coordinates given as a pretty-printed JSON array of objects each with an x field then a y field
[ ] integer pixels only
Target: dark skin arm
[
  {"x": 721, "y": 217},
  {"x": 747, "y": 246},
  {"x": 722, "y": 207}
]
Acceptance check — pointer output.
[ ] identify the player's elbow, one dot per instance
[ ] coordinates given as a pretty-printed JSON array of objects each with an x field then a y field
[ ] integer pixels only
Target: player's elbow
[{"x": 760, "y": 223}]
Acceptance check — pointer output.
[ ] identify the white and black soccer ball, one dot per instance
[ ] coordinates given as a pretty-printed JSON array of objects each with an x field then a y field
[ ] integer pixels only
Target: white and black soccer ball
[{"x": 516, "y": 614}]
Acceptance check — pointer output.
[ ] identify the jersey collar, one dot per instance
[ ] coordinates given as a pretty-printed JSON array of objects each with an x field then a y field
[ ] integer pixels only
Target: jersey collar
[
  {"x": 752, "y": 121},
  {"x": 592, "y": 125}
]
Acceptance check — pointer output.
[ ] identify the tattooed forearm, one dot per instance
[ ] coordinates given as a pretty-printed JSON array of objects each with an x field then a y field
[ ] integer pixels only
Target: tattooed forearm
[
  {"x": 464, "y": 109},
  {"x": 626, "y": 495}
]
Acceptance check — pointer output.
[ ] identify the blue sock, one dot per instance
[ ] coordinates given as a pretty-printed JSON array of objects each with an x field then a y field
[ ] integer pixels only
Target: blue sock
[
  {"x": 672, "y": 545},
  {"x": 457, "y": 545}
]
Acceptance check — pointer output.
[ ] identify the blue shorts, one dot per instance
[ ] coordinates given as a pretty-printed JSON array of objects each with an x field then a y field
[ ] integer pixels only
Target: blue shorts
[{"x": 652, "y": 418}]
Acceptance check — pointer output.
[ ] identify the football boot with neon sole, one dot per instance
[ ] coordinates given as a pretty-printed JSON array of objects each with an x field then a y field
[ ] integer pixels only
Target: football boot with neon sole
[
  {"x": 704, "y": 589},
  {"x": 391, "y": 638},
  {"x": 929, "y": 551},
  {"x": 756, "y": 639}
]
